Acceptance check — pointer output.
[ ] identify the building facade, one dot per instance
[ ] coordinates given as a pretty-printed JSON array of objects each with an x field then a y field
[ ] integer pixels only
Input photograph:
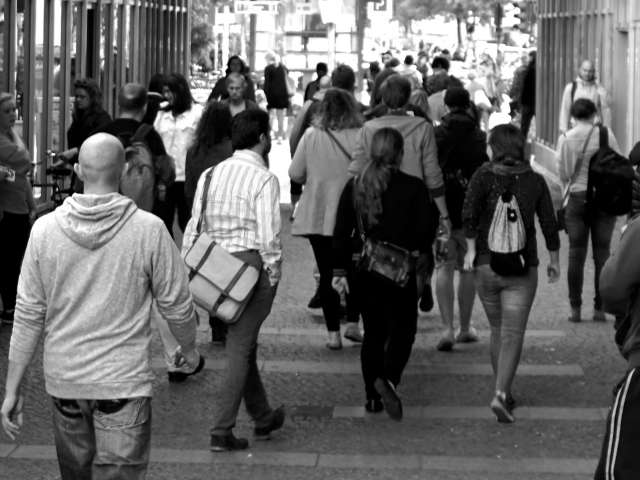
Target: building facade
[
  {"x": 46, "y": 44},
  {"x": 604, "y": 31}
]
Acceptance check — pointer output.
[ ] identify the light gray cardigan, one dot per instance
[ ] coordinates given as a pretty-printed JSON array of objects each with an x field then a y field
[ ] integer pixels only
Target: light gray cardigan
[{"x": 322, "y": 167}]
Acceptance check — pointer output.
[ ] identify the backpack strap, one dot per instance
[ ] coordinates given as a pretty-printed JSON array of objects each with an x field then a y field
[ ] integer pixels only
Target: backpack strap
[
  {"x": 203, "y": 202},
  {"x": 574, "y": 87},
  {"x": 338, "y": 144},
  {"x": 604, "y": 136},
  {"x": 141, "y": 133}
]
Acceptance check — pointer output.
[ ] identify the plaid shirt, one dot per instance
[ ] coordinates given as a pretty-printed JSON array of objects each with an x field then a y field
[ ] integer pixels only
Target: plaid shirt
[{"x": 242, "y": 211}]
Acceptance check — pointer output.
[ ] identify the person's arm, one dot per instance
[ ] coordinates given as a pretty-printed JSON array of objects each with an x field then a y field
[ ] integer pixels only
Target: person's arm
[
  {"x": 170, "y": 288},
  {"x": 620, "y": 276},
  {"x": 565, "y": 108},
  {"x": 566, "y": 160},
  {"x": 433, "y": 174},
  {"x": 190, "y": 232},
  {"x": 549, "y": 226},
  {"x": 342, "y": 240},
  {"x": 605, "y": 108},
  {"x": 297, "y": 131},
  {"x": 474, "y": 204},
  {"x": 268, "y": 228},
  {"x": 360, "y": 153},
  {"x": 29, "y": 318},
  {"x": 298, "y": 168}
]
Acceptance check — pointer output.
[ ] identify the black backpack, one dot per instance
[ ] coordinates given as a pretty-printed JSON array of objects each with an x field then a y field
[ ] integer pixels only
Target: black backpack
[{"x": 609, "y": 187}]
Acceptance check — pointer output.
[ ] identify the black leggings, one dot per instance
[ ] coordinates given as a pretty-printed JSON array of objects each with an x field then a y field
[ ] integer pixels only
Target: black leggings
[
  {"x": 14, "y": 235},
  {"x": 390, "y": 320},
  {"x": 175, "y": 200},
  {"x": 322, "y": 250}
]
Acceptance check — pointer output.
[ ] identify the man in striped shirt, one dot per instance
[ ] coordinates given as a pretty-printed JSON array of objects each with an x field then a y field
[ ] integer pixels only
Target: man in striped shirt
[{"x": 242, "y": 214}]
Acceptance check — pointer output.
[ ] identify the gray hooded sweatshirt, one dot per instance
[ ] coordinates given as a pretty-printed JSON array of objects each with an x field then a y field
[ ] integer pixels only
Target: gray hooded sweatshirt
[{"x": 90, "y": 273}]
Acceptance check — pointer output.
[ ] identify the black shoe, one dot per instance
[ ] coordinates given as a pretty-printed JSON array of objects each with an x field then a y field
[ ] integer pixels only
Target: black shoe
[
  {"x": 426, "y": 300},
  {"x": 277, "y": 420},
  {"x": 374, "y": 405},
  {"x": 510, "y": 402},
  {"x": 390, "y": 399},
  {"x": 228, "y": 443},
  {"x": 179, "y": 377},
  {"x": 315, "y": 301}
]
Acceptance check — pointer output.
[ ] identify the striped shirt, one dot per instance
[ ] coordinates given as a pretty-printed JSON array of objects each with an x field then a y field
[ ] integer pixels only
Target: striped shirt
[{"x": 242, "y": 211}]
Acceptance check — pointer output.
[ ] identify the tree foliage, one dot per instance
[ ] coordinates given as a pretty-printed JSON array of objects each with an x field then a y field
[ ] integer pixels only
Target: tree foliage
[{"x": 407, "y": 10}]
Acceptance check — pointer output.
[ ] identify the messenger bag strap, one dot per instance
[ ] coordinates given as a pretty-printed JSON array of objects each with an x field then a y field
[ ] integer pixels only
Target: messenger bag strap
[
  {"x": 576, "y": 172},
  {"x": 194, "y": 271},
  {"x": 141, "y": 133},
  {"x": 338, "y": 144},
  {"x": 224, "y": 294},
  {"x": 202, "y": 221}
]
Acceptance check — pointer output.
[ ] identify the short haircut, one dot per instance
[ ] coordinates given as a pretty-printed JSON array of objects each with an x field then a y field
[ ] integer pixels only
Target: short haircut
[
  {"x": 396, "y": 90},
  {"x": 441, "y": 62},
  {"x": 322, "y": 67},
  {"x": 132, "y": 97},
  {"x": 393, "y": 63},
  {"x": 246, "y": 128},
  {"x": 408, "y": 60},
  {"x": 457, "y": 97},
  {"x": 507, "y": 143},
  {"x": 343, "y": 77},
  {"x": 583, "y": 109},
  {"x": 235, "y": 77}
]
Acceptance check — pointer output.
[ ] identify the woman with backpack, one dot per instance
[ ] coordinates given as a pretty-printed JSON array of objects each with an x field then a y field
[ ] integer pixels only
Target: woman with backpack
[
  {"x": 388, "y": 211},
  {"x": 500, "y": 206},
  {"x": 576, "y": 147},
  {"x": 320, "y": 163}
]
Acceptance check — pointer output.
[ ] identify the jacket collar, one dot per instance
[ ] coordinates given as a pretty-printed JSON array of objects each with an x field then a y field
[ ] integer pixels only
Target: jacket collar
[{"x": 249, "y": 156}]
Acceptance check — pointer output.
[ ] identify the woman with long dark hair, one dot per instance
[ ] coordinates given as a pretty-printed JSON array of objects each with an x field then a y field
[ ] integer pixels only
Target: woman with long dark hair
[
  {"x": 385, "y": 205},
  {"x": 321, "y": 164},
  {"x": 155, "y": 98},
  {"x": 177, "y": 126},
  {"x": 507, "y": 293}
]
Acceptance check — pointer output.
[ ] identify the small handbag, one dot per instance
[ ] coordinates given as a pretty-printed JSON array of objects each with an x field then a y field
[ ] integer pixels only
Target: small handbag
[
  {"x": 219, "y": 282},
  {"x": 384, "y": 259},
  {"x": 562, "y": 211}
]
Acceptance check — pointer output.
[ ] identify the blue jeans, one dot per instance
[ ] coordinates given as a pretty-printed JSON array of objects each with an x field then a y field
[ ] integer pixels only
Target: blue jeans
[
  {"x": 242, "y": 377},
  {"x": 579, "y": 224},
  {"x": 507, "y": 302},
  {"x": 102, "y": 439}
]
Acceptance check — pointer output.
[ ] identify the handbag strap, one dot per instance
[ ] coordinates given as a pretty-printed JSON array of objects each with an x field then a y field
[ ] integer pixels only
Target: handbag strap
[
  {"x": 338, "y": 144},
  {"x": 202, "y": 221},
  {"x": 359, "y": 222},
  {"x": 579, "y": 162}
]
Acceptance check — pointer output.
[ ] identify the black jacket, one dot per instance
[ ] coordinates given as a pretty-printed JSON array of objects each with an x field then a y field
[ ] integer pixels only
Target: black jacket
[
  {"x": 462, "y": 148},
  {"x": 84, "y": 125}
]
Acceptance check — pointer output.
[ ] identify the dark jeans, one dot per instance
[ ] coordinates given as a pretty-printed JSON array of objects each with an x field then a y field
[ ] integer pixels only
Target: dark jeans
[
  {"x": 102, "y": 439},
  {"x": 175, "y": 200},
  {"x": 527, "y": 113},
  {"x": 389, "y": 316},
  {"x": 242, "y": 377},
  {"x": 14, "y": 235},
  {"x": 619, "y": 457},
  {"x": 507, "y": 302},
  {"x": 580, "y": 224},
  {"x": 323, "y": 252}
]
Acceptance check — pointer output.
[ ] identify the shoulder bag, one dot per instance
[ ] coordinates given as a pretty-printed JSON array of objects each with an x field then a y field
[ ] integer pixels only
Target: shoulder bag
[
  {"x": 384, "y": 259},
  {"x": 561, "y": 213},
  {"x": 219, "y": 282}
]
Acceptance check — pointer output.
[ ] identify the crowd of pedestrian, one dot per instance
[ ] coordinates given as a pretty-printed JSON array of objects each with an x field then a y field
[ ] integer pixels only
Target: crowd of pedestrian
[{"x": 420, "y": 181}]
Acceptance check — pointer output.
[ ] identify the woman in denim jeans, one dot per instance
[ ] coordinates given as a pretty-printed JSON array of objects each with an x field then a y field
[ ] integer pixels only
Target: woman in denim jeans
[
  {"x": 575, "y": 149},
  {"x": 507, "y": 299}
]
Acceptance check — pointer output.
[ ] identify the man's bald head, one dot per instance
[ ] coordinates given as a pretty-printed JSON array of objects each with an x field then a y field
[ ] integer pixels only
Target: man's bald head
[
  {"x": 100, "y": 163},
  {"x": 132, "y": 98},
  {"x": 324, "y": 82}
]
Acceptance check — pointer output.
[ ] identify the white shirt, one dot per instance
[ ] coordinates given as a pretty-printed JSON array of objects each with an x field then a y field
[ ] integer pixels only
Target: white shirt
[
  {"x": 242, "y": 210},
  {"x": 178, "y": 134}
]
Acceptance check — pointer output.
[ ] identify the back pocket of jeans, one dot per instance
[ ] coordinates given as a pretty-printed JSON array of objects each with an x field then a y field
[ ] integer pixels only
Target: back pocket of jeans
[
  {"x": 67, "y": 408},
  {"x": 114, "y": 414}
]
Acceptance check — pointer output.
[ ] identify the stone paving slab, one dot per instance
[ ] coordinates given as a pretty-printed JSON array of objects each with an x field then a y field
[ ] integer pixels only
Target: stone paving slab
[
  {"x": 483, "y": 413},
  {"x": 338, "y": 461},
  {"x": 339, "y": 368}
]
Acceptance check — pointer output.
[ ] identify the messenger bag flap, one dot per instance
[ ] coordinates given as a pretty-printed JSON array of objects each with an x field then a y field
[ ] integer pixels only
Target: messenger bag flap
[{"x": 209, "y": 263}]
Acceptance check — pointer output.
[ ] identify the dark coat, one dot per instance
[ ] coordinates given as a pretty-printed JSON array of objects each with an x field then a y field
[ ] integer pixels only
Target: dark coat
[
  {"x": 85, "y": 124},
  {"x": 275, "y": 86}
]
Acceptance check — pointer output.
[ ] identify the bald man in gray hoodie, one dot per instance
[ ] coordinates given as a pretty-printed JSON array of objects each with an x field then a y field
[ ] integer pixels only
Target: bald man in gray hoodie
[{"x": 90, "y": 273}]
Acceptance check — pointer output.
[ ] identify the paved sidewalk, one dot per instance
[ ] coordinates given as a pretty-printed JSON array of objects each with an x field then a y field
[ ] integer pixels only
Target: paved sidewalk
[{"x": 563, "y": 389}]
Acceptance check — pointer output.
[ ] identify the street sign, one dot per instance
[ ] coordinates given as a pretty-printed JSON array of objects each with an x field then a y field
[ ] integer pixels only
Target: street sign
[
  {"x": 259, "y": 6},
  {"x": 380, "y": 6}
]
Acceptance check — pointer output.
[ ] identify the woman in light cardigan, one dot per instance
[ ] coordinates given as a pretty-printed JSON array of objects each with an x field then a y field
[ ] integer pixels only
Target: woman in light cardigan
[
  {"x": 17, "y": 206},
  {"x": 320, "y": 163}
]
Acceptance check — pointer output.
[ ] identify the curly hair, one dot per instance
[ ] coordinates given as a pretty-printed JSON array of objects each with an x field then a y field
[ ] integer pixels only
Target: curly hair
[
  {"x": 213, "y": 127},
  {"x": 338, "y": 111},
  {"x": 93, "y": 90},
  {"x": 387, "y": 148}
]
